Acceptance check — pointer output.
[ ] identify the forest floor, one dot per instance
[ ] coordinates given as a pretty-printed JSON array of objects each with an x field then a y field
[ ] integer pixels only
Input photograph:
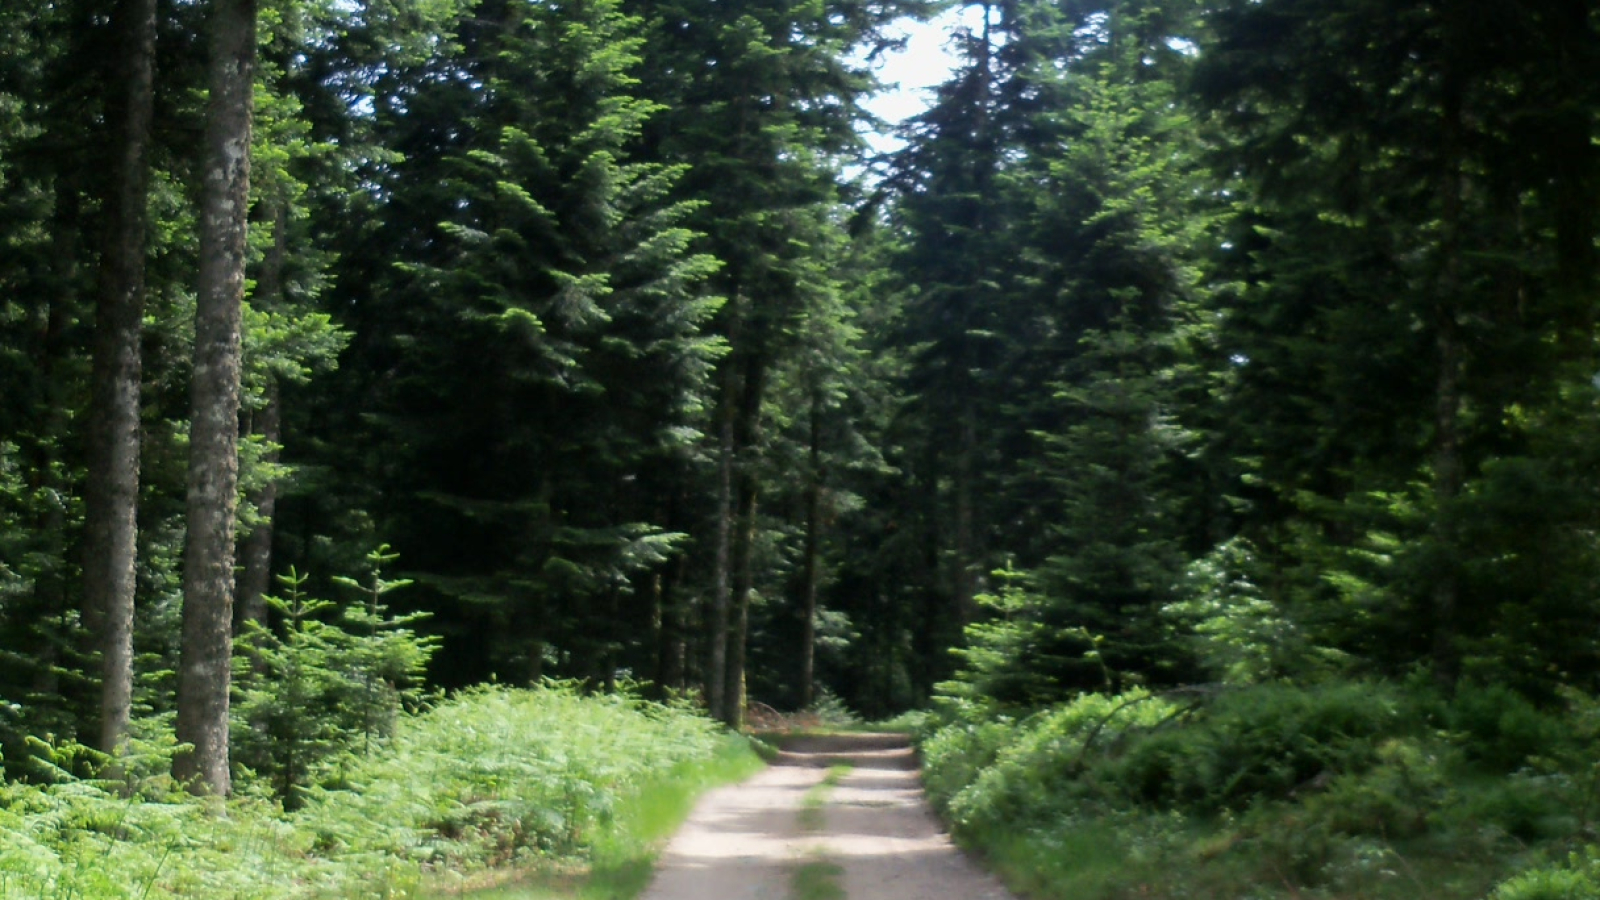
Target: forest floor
[{"x": 835, "y": 816}]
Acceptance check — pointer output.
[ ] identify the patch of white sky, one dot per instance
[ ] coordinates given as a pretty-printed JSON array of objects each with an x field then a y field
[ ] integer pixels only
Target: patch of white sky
[{"x": 910, "y": 74}]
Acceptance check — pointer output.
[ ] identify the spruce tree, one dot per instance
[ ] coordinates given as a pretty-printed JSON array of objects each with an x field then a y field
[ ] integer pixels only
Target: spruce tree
[{"x": 1409, "y": 245}]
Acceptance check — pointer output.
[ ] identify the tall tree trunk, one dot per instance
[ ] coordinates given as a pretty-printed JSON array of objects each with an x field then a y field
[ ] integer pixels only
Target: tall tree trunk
[
  {"x": 813, "y": 553},
  {"x": 205, "y": 666},
  {"x": 962, "y": 602},
  {"x": 746, "y": 437},
  {"x": 671, "y": 669},
  {"x": 51, "y": 600},
  {"x": 986, "y": 164},
  {"x": 739, "y": 628},
  {"x": 1448, "y": 469},
  {"x": 111, "y": 493},
  {"x": 255, "y": 549},
  {"x": 716, "y": 671}
]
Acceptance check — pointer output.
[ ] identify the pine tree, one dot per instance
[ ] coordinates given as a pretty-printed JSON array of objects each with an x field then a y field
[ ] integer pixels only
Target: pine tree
[
  {"x": 1401, "y": 256},
  {"x": 556, "y": 357}
]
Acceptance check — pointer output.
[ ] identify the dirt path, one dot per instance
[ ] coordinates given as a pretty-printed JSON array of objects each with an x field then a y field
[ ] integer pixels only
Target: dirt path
[{"x": 746, "y": 842}]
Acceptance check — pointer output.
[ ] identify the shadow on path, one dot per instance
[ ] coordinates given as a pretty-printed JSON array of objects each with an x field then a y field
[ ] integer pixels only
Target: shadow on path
[{"x": 743, "y": 842}]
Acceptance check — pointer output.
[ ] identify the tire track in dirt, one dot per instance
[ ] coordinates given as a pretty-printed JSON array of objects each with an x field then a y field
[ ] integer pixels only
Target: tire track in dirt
[{"x": 745, "y": 841}]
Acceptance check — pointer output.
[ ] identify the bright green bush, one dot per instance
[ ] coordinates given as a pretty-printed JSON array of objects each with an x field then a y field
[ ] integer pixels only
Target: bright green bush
[
  {"x": 329, "y": 685},
  {"x": 955, "y": 755},
  {"x": 1392, "y": 798},
  {"x": 1578, "y": 880},
  {"x": 1042, "y": 770},
  {"x": 488, "y": 776},
  {"x": 1344, "y": 789},
  {"x": 496, "y": 774}
]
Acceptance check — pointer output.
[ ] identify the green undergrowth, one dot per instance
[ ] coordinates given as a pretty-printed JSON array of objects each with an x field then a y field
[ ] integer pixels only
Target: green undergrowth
[
  {"x": 624, "y": 850},
  {"x": 1353, "y": 790},
  {"x": 493, "y": 779}
]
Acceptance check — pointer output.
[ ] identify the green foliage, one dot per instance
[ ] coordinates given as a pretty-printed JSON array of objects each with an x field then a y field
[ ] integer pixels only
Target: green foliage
[
  {"x": 1263, "y": 744},
  {"x": 485, "y": 777},
  {"x": 1239, "y": 633},
  {"x": 1034, "y": 773},
  {"x": 1336, "y": 787},
  {"x": 1010, "y": 632},
  {"x": 325, "y": 688},
  {"x": 957, "y": 754},
  {"x": 830, "y": 711},
  {"x": 1579, "y": 879},
  {"x": 1501, "y": 728},
  {"x": 510, "y": 774}
]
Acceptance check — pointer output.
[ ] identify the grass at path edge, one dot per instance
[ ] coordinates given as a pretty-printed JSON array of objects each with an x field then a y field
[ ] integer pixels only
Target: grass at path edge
[{"x": 625, "y": 854}]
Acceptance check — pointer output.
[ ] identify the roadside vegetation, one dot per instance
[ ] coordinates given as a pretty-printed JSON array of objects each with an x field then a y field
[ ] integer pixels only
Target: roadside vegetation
[
  {"x": 1348, "y": 789},
  {"x": 491, "y": 785}
]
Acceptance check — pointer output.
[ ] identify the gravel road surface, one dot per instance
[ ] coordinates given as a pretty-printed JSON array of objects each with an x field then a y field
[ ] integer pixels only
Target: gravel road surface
[{"x": 745, "y": 842}]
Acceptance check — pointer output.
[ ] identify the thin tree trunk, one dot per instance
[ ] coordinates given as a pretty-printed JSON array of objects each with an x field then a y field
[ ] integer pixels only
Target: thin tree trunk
[
  {"x": 1447, "y": 464},
  {"x": 255, "y": 549},
  {"x": 205, "y": 666},
  {"x": 721, "y": 583},
  {"x": 51, "y": 608},
  {"x": 963, "y": 604},
  {"x": 746, "y": 437},
  {"x": 672, "y": 664},
  {"x": 111, "y": 491},
  {"x": 658, "y": 633},
  {"x": 813, "y": 552},
  {"x": 668, "y": 636},
  {"x": 738, "y": 640}
]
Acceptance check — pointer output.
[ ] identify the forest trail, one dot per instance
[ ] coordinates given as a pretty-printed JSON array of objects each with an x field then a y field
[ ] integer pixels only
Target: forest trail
[{"x": 865, "y": 828}]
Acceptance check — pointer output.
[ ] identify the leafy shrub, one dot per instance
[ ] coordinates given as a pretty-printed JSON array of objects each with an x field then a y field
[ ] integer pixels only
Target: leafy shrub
[
  {"x": 1522, "y": 806},
  {"x": 490, "y": 775},
  {"x": 828, "y": 710},
  {"x": 495, "y": 774},
  {"x": 324, "y": 688},
  {"x": 1038, "y": 771},
  {"x": 955, "y": 755},
  {"x": 1578, "y": 880},
  {"x": 1391, "y": 799},
  {"x": 1500, "y": 727},
  {"x": 1262, "y": 743},
  {"x": 1353, "y": 789}
]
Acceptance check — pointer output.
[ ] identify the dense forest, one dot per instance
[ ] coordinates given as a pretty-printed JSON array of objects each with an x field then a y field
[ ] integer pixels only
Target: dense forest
[{"x": 356, "y": 350}]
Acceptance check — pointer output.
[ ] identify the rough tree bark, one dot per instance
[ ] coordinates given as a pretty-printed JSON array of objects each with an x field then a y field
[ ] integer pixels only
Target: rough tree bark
[
  {"x": 111, "y": 492},
  {"x": 205, "y": 667}
]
